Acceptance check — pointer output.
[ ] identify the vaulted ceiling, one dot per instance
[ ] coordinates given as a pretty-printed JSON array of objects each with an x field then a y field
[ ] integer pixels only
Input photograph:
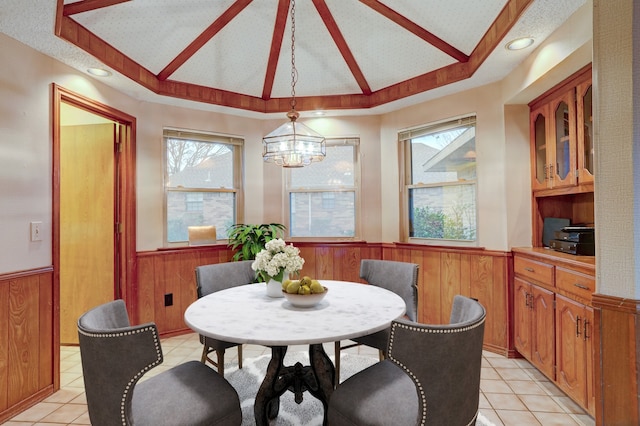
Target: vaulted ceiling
[{"x": 372, "y": 55}]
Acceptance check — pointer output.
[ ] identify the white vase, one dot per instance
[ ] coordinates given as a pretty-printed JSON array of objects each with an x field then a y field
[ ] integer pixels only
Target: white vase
[{"x": 274, "y": 288}]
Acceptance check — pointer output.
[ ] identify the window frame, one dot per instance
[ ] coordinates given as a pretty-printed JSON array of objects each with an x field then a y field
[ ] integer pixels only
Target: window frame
[
  {"x": 355, "y": 189},
  {"x": 405, "y": 182},
  {"x": 236, "y": 144}
]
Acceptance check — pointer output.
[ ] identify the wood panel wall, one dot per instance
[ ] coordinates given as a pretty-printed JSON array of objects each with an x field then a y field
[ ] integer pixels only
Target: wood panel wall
[
  {"x": 444, "y": 272},
  {"x": 481, "y": 274},
  {"x": 29, "y": 360},
  {"x": 617, "y": 374}
]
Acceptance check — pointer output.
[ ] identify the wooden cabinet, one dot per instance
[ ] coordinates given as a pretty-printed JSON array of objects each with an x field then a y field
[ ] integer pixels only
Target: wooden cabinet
[
  {"x": 554, "y": 148},
  {"x": 574, "y": 349},
  {"x": 561, "y": 142},
  {"x": 562, "y": 154},
  {"x": 533, "y": 317},
  {"x": 585, "y": 153},
  {"x": 553, "y": 318}
]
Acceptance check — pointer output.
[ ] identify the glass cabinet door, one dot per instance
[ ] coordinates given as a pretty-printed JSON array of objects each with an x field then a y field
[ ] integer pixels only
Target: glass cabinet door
[
  {"x": 539, "y": 157},
  {"x": 585, "y": 133},
  {"x": 563, "y": 156}
]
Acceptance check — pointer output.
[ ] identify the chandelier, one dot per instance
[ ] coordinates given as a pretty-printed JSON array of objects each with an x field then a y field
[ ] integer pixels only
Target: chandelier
[{"x": 293, "y": 144}]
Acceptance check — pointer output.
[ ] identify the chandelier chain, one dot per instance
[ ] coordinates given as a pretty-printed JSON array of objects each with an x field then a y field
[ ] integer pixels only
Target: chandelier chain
[{"x": 294, "y": 71}]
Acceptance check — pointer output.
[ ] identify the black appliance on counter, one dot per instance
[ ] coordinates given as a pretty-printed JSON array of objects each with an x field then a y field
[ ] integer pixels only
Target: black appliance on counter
[{"x": 577, "y": 240}]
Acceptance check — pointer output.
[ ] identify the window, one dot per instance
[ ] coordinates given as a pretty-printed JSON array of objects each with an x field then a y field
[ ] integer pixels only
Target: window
[
  {"x": 203, "y": 182},
  {"x": 439, "y": 200},
  {"x": 323, "y": 197}
]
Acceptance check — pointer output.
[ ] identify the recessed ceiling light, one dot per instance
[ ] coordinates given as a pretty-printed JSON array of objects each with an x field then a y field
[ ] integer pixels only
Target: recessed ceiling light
[
  {"x": 519, "y": 43},
  {"x": 99, "y": 72},
  {"x": 319, "y": 113}
]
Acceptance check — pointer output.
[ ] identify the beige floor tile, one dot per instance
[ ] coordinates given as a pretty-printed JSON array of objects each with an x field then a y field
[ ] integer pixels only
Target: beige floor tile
[
  {"x": 555, "y": 419},
  {"x": 523, "y": 363},
  {"x": 83, "y": 419},
  {"x": 80, "y": 399},
  {"x": 489, "y": 373},
  {"x": 64, "y": 395},
  {"x": 541, "y": 403},
  {"x": 504, "y": 401},
  {"x": 37, "y": 412},
  {"x": 513, "y": 373},
  {"x": 568, "y": 405},
  {"x": 518, "y": 418},
  {"x": 536, "y": 375},
  {"x": 492, "y": 416},
  {"x": 550, "y": 388},
  {"x": 526, "y": 387},
  {"x": 483, "y": 403},
  {"x": 502, "y": 363},
  {"x": 495, "y": 386},
  {"x": 65, "y": 414}
]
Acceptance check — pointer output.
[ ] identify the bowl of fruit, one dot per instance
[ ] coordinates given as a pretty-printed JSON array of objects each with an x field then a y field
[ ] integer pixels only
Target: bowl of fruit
[{"x": 303, "y": 293}]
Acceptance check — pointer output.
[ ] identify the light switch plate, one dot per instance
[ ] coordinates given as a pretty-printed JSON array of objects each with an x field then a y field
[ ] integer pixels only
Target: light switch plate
[{"x": 36, "y": 231}]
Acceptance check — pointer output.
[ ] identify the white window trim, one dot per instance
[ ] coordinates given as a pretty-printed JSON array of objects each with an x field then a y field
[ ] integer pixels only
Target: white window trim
[
  {"x": 330, "y": 141},
  {"x": 238, "y": 178},
  {"x": 404, "y": 160}
]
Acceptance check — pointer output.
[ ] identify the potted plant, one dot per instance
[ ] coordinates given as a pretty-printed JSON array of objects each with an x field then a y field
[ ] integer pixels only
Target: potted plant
[{"x": 247, "y": 240}]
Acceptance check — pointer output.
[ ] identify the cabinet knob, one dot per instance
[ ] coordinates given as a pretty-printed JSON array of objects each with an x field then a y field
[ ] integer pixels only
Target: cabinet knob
[
  {"x": 529, "y": 269},
  {"x": 578, "y": 322},
  {"x": 582, "y": 286}
]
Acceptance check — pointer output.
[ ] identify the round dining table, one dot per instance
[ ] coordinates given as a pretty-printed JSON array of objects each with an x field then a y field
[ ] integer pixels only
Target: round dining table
[{"x": 245, "y": 314}]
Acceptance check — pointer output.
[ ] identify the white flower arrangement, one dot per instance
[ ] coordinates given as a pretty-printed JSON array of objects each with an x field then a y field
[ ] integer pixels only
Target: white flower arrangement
[{"x": 275, "y": 259}]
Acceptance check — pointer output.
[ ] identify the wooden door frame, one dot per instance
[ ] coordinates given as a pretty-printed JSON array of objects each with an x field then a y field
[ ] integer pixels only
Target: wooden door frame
[{"x": 126, "y": 210}]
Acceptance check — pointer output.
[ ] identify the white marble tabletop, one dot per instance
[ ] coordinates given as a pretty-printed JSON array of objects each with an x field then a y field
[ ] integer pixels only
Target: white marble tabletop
[{"x": 245, "y": 314}]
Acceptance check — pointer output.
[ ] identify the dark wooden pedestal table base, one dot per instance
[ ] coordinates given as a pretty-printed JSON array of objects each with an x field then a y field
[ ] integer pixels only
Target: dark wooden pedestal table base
[{"x": 318, "y": 379}]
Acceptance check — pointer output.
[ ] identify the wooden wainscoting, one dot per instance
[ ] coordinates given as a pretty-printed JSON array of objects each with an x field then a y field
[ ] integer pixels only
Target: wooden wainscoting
[
  {"x": 29, "y": 359},
  {"x": 616, "y": 329},
  {"x": 444, "y": 272},
  {"x": 481, "y": 274},
  {"x": 165, "y": 274}
]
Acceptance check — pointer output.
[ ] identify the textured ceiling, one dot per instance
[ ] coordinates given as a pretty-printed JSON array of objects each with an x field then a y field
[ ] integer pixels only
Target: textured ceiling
[{"x": 367, "y": 55}]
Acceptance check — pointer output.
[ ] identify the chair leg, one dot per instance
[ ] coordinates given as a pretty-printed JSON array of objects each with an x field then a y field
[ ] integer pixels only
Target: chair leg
[
  {"x": 239, "y": 356},
  {"x": 382, "y": 355},
  {"x": 336, "y": 355}
]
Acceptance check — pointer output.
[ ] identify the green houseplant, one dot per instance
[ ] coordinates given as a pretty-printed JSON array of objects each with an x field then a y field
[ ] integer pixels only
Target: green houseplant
[{"x": 247, "y": 240}]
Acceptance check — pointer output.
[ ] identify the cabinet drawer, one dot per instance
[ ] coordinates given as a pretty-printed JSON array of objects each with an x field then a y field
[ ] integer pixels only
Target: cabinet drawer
[
  {"x": 574, "y": 282},
  {"x": 537, "y": 271}
]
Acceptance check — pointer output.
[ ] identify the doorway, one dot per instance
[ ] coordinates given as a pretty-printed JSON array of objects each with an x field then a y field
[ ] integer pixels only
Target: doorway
[{"x": 93, "y": 208}]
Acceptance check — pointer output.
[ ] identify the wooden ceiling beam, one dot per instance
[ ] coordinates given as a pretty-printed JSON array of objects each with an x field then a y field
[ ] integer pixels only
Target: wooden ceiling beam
[
  {"x": 416, "y": 29},
  {"x": 87, "y": 5},
  {"x": 342, "y": 45},
  {"x": 203, "y": 38},
  {"x": 507, "y": 18},
  {"x": 276, "y": 45},
  {"x": 68, "y": 29}
]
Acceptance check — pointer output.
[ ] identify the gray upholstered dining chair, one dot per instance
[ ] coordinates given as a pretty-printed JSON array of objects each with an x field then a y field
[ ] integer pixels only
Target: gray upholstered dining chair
[
  {"x": 430, "y": 377},
  {"x": 116, "y": 355},
  {"x": 216, "y": 277},
  {"x": 398, "y": 277}
]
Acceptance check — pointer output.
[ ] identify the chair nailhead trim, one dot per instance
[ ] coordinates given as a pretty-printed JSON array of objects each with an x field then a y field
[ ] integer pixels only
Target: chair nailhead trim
[
  {"x": 424, "y": 329},
  {"x": 135, "y": 378}
]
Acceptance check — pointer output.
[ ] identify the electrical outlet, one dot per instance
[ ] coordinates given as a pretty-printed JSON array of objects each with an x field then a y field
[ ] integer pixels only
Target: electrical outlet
[
  {"x": 36, "y": 231},
  {"x": 168, "y": 299}
]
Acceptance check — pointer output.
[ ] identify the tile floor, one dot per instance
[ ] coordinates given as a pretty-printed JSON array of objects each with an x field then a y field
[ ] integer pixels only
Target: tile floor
[{"x": 513, "y": 393}]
